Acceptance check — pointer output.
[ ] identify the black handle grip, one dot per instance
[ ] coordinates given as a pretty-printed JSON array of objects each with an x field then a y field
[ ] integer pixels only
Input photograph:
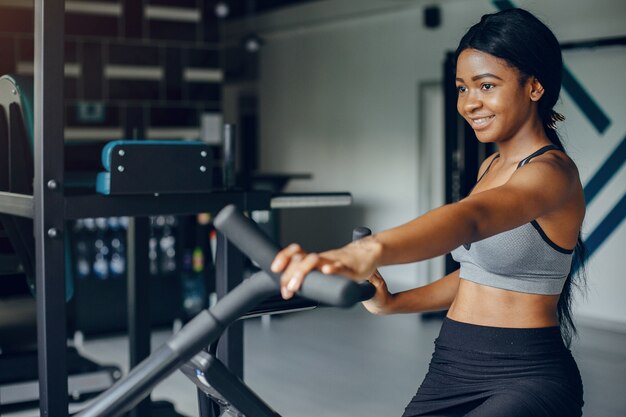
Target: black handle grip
[
  {"x": 360, "y": 232},
  {"x": 328, "y": 289}
]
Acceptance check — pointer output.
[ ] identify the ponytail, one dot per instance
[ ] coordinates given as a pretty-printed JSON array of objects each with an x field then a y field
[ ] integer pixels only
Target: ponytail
[
  {"x": 577, "y": 277},
  {"x": 549, "y": 125}
]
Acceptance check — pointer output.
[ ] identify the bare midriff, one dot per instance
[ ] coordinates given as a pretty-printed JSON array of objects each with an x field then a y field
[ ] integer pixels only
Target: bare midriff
[{"x": 495, "y": 307}]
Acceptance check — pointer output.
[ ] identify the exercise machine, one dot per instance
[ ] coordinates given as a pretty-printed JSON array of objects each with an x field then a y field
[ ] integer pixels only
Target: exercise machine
[
  {"x": 19, "y": 372},
  {"x": 182, "y": 349}
]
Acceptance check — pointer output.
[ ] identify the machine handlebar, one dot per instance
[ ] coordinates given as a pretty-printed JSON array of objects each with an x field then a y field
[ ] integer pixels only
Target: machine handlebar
[{"x": 332, "y": 290}]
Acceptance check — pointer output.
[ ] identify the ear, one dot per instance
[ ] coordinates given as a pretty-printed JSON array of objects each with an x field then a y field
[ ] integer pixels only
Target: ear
[{"x": 536, "y": 89}]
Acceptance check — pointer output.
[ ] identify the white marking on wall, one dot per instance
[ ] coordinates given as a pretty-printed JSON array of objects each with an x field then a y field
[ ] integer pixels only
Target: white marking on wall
[
  {"x": 72, "y": 69},
  {"x": 203, "y": 75},
  {"x": 26, "y": 4},
  {"x": 164, "y": 133},
  {"x": 94, "y": 133},
  {"x": 130, "y": 72},
  {"x": 94, "y": 7},
  {"x": 86, "y": 7},
  {"x": 177, "y": 14}
]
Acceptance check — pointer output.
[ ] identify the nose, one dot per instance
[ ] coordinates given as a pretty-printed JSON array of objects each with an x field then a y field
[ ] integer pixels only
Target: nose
[{"x": 470, "y": 102}]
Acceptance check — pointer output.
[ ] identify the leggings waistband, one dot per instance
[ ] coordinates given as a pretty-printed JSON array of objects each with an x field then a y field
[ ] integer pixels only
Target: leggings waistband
[{"x": 473, "y": 337}]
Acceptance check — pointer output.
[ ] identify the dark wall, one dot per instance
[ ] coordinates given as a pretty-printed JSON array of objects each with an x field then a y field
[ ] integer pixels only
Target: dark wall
[{"x": 128, "y": 62}]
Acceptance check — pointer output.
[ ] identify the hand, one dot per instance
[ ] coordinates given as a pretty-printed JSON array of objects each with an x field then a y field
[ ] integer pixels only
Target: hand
[
  {"x": 380, "y": 303},
  {"x": 356, "y": 260}
]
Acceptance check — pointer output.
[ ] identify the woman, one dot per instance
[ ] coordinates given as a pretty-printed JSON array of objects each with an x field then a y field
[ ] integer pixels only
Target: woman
[{"x": 502, "y": 349}]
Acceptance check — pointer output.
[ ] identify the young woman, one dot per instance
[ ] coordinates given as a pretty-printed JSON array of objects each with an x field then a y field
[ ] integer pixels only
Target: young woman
[{"x": 503, "y": 347}]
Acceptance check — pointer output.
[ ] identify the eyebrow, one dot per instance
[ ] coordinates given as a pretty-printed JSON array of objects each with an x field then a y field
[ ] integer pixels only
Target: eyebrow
[{"x": 478, "y": 77}]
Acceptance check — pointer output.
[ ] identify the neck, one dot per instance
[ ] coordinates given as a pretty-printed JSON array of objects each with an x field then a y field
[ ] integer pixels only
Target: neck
[{"x": 527, "y": 140}]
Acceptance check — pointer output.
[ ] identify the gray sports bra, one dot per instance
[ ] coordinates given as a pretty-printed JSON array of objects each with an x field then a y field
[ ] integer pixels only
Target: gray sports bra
[{"x": 523, "y": 259}]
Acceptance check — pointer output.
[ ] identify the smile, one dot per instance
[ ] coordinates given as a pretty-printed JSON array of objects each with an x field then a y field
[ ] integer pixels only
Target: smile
[{"x": 481, "y": 122}]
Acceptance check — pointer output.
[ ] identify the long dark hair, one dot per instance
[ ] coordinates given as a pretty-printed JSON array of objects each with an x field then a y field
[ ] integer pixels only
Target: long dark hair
[{"x": 525, "y": 43}]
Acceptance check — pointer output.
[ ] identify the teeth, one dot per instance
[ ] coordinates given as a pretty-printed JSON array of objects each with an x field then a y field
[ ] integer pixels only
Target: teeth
[{"x": 482, "y": 120}]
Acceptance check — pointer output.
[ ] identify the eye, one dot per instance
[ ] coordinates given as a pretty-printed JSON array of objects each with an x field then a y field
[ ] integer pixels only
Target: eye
[
  {"x": 461, "y": 89},
  {"x": 487, "y": 86}
]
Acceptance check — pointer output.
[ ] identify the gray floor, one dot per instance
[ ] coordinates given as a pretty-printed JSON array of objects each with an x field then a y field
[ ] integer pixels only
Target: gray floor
[{"x": 334, "y": 363}]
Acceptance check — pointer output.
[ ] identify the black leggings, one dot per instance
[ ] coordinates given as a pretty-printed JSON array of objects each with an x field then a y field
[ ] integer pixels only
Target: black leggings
[{"x": 480, "y": 371}]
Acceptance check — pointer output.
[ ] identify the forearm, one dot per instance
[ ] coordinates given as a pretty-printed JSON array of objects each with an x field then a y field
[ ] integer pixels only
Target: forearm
[
  {"x": 433, "y": 234},
  {"x": 432, "y": 297}
]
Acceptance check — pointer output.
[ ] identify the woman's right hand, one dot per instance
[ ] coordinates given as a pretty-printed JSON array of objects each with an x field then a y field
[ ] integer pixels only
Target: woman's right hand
[
  {"x": 380, "y": 303},
  {"x": 356, "y": 260}
]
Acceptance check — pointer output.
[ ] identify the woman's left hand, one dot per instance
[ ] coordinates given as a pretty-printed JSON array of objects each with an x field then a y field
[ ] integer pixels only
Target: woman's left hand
[{"x": 381, "y": 303}]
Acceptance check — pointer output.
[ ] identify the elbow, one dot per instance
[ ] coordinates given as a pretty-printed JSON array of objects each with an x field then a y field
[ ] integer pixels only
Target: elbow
[{"x": 473, "y": 218}]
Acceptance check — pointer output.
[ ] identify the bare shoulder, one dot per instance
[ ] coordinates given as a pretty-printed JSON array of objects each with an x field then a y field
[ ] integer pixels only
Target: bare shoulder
[
  {"x": 486, "y": 163},
  {"x": 551, "y": 177},
  {"x": 554, "y": 163},
  {"x": 559, "y": 157}
]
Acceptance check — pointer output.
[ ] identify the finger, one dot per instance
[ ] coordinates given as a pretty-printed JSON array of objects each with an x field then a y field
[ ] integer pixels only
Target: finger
[
  {"x": 294, "y": 274},
  {"x": 329, "y": 267},
  {"x": 303, "y": 268},
  {"x": 376, "y": 281},
  {"x": 287, "y": 274},
  {"x": 283, "y": 257},
  {"x": 337, "y": 268}
]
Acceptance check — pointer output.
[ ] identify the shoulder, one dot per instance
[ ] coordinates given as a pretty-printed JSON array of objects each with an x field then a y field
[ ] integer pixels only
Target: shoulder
[
  {"x": 553, "y": 171},
  {"x": 486, "y": 164},
  {"x": 543, "y": 186},
  {"x": 553, "y": 162}
]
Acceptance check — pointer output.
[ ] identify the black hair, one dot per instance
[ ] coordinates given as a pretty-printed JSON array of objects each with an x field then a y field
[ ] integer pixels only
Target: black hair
[{"x": 527, "y": 44}]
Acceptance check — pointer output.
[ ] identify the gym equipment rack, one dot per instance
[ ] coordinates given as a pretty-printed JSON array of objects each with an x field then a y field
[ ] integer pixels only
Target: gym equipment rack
[{"x": 50, "y": 206}]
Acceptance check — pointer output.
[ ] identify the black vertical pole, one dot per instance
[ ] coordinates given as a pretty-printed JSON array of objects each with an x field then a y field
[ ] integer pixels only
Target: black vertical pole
[
  {"x": 229, "y": 157},
  {"x": 48, "y": 207},
  {"x": 139, "y": 299},
  {"x": 229, "y": 265},
  {"x": 228, "y": 274}
]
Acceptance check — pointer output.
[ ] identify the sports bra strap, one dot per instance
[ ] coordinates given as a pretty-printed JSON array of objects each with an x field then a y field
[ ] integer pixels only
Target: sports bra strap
[
  {"x": 488, "y": 166},
  {"x": 522, "y": 162},
  {"x": 536, "y": 153}
]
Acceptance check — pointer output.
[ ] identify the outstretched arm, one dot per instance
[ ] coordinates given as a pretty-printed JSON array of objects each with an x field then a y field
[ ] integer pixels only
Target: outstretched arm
[
  {"x": 435, "y": 296},
  {"x": 533, "y": 191}
]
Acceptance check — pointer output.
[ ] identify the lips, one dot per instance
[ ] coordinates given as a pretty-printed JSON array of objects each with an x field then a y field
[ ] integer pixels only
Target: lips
[{"x": 479, "y": 123}]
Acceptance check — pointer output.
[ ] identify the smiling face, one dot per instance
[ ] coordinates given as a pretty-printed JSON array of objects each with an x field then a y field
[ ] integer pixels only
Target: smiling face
[{"x": 495, "y": 99}]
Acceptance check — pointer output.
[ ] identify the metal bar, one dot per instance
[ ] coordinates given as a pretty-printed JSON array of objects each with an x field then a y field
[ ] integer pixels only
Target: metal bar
[
  {"x": 311, "y": 200},
  {"x": 48, "y": 207},
  {"x": 17, "y": 204},
  {"x": 229, "y": 135},
  {"x": 81, "y": 206},
  {"x": 138, "y": 299},
  {"x": 229, "y": 274}
]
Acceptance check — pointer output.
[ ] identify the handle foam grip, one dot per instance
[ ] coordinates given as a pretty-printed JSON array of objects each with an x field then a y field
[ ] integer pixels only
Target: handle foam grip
[
  {"x": 328, "y": 289},
  {"x": 360, "y": 232}
]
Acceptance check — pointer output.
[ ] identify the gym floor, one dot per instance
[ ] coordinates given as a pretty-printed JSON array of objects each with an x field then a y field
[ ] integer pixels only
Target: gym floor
[{"x": 334, "y": 363}]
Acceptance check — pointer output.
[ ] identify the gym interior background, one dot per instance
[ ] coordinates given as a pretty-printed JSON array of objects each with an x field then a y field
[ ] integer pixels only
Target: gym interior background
[{"x": 327, "y": 96}]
